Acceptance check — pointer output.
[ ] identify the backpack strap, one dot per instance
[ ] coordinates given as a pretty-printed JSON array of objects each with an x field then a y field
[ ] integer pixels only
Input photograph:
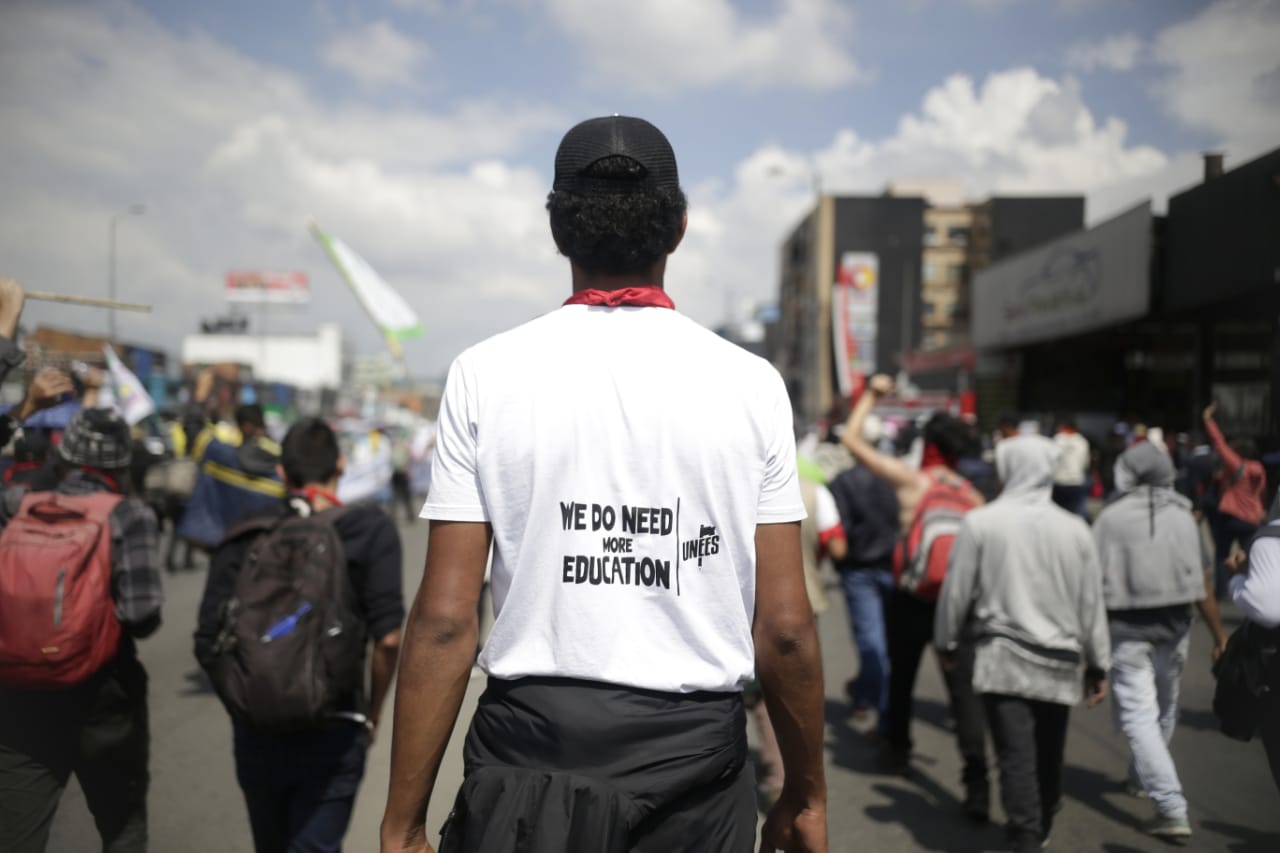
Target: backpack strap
[{"x": 1236, "y": 477}]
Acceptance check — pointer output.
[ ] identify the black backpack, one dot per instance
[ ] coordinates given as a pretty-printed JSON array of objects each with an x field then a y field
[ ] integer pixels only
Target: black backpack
[
  {"x": 291, "y": 644},
  {"x": 1247, "y": 672}
]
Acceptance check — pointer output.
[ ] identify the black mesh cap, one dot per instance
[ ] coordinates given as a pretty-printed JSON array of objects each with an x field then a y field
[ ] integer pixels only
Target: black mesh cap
[{"x": 610, "y": 136}]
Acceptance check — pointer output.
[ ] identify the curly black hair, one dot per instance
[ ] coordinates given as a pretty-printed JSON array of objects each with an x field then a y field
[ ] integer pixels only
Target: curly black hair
[
  {"x": 949, "y": 434},
  {"x": 617, "y": 233}
]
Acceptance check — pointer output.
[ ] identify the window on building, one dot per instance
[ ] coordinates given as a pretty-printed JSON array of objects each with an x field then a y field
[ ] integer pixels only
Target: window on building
[{"x": 958, "y": 234}]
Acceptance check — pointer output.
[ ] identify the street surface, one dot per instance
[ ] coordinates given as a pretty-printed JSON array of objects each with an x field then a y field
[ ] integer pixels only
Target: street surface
[{"x": 196, "y": 807}]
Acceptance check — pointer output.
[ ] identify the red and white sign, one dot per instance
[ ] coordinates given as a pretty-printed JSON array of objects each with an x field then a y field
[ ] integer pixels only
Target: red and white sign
[
  {"x": 288, "y": 288},
  {"x": 854, "y": 305}
]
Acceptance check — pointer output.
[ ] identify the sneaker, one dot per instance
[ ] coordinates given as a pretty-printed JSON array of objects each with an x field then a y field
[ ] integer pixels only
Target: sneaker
[
  {"x": 1135, "y": 789},
  {"x": 1170, "y": 828}
]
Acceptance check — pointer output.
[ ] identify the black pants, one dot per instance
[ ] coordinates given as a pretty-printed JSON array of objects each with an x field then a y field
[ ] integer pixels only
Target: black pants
[
  {"x": 98, "y": 731},
  {"x": 300, "y": 787},
  {"x": 910, "y": 631},
  {"x": 1030, "y": 738},
  {"x": 404, "y": 494},
  {"x": 1270, "y": 732},
  {"x": 556, "y": 765}
]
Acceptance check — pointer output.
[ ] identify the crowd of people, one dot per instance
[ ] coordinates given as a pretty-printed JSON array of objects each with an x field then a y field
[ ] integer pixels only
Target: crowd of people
[
  {"x": 1038, "y": 587},
  {"x": 655, "y": 582}
]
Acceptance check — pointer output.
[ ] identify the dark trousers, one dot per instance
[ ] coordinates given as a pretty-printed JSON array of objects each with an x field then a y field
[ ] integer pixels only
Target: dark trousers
[
  {"x": 1227, "y": 530},
  {"x": 98, "y": 731},
  {"x": 557, "y": 765},
  {"x": 1030, "y": 737},
  {"x": 300, "y": 787},
  {"x": 910, "y": 631},
  {"x": 404, "y": 494},
  {"x": 1270, "y": 732},
  {"x": 1073, "y": 499}
]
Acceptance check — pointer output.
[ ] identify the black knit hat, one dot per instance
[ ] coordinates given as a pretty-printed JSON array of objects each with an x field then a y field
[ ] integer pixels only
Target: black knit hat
[
  {"x": 613, "y": 136},
  {"x": 96, "y": 438}
]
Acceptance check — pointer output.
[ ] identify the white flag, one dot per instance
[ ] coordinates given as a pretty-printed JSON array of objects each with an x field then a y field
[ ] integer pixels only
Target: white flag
[{"x": 131, "y": 398}]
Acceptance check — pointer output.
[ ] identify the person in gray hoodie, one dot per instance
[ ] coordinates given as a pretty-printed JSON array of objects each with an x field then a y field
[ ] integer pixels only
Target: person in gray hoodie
[
  {"x": 1154, "y": 567},
  {"x": 1025, "y": 584}
]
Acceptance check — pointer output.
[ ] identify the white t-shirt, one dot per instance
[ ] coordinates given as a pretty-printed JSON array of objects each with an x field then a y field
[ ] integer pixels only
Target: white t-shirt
[{"x": 624, "y": 457}]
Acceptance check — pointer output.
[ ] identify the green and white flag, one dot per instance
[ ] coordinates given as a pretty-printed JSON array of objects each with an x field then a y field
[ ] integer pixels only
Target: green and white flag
[{"x": 385, "y": 307}]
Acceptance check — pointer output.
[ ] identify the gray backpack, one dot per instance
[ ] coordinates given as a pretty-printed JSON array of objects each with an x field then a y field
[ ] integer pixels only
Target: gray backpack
[{"x": 291, "y": 643}]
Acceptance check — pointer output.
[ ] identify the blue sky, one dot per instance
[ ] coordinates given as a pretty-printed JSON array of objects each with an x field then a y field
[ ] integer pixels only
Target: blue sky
[{"x": 422, "y": 133}]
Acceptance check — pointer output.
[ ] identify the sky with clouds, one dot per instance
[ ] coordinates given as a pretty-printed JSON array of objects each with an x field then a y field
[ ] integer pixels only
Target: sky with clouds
[{"x": 422, "y": 132}]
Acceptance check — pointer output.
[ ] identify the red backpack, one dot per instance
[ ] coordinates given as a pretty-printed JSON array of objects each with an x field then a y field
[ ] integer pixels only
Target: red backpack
[
  {"x": 58, "y": 623},
  {"x": 921, "y": 556}
]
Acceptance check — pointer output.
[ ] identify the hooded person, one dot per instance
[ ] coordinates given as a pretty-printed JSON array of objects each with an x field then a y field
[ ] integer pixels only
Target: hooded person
[
  {"x": 1154, "y": 567},
  {"x": 1024, "y": 582}
]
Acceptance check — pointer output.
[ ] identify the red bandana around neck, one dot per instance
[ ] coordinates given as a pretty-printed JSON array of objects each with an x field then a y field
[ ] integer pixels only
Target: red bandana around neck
[
  {"x": 934, "y": 458},
  {"x": 313, "y": 492},
  {"x": 641, "y": 297}
]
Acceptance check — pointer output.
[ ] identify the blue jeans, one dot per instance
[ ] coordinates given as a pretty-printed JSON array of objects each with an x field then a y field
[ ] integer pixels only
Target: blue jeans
[
  {"x": 865, "y": 593},
  {"x": 300, "y": 787}
]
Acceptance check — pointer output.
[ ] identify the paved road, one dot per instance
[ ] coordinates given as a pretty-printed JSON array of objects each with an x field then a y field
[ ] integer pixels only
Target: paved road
[{"x": 196, "y": 806}]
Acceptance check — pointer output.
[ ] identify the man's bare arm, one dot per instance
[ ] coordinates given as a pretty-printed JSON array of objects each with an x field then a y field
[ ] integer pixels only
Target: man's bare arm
[
  {"x": 789, "y": 667},
  {"x": 897, "y": 473},
  {"x": 439, "y": 649}
]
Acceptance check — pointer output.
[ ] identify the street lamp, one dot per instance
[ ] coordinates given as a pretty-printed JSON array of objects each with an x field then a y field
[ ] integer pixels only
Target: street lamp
[{"x": 135, "y": 209}]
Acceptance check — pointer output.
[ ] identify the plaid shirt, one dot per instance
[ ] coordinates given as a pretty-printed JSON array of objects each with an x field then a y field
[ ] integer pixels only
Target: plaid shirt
[{"x": 135, "y": 553}]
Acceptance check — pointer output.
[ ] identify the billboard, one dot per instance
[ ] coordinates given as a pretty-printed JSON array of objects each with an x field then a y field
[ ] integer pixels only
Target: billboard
[
  {"x": 854, "y": 305},
  {"x": 1083, "y": 281},
  {"x": 281, "y": 288}
]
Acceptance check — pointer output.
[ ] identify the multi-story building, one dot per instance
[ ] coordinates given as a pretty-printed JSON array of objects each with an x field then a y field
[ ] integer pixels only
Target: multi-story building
[{"x": 882, "y": 283}]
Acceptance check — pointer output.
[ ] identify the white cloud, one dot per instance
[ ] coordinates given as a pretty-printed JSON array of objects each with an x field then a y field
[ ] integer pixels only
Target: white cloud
[
  {"x": 1017, "y": 133},
  {"x": 662, "y": 45},
  {"x": 1225, "y": 73},
  {"x": 376, "y": 54},
  {"x": 231, "y": 156},
  {"x": 1113, "y": 53}
]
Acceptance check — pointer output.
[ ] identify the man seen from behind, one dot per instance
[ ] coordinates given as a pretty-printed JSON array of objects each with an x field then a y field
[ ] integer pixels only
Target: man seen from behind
[{"x": 636, "y": 475}]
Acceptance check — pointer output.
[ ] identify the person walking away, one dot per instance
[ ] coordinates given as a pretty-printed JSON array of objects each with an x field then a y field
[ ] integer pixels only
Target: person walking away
[
  {"x": 822, "y": 536},
  {"x": 300, "y": 757},
  {"x": 937, "y": 497},
  {"x": 401, "y": 463},
  {"x": 235, "y": 481},
  {"x": 1154, "y": 567},
  {"x": 1025, "y": 580},
  {"x": 1255, "y": 589},
  {"x": 1242, "y": 482},
  {"x": 73, "y": 694},
  {"x": 1069, "y": 489},
  {"x": 637, "y": 476},
  {"x": 869, "y": 514}
]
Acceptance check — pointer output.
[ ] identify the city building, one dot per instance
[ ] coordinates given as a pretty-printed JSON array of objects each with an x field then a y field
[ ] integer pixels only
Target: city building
[
  {"x": 882, "y": 283},
  {"x": 1147, "y": 318}
]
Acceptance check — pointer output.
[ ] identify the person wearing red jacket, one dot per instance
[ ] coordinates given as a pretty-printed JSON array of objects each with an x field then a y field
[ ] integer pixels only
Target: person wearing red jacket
[{"x": 1242, "y": 482}]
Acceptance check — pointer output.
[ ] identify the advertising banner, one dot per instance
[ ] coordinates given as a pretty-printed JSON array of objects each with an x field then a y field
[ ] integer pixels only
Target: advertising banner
[
  {"x": 280, "y": 288},
  {"x": 854, "y": 305},
  {"x": 1083, "y": 281}
]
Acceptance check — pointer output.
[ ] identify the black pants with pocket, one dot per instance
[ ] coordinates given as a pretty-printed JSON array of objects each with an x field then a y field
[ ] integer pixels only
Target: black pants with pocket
[
  {"x": 1030, "y": 738},
  {"x": 909, "y": 631},
  {"x": 97, "y": 730},
  {"x": 560, "y": 765}
]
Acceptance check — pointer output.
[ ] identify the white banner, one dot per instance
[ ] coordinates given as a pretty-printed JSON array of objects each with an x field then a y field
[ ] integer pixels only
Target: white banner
[{"x": 855, "y": 303}]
